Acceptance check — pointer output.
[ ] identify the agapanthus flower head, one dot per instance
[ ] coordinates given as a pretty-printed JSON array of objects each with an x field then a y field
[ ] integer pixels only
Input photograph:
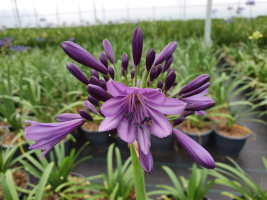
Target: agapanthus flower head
[
  {"x": 255, "y": 35},
  {"x": 133, "y": 112}
]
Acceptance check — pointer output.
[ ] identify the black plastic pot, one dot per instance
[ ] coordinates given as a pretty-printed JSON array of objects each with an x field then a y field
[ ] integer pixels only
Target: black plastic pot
[
  {"x": 161, "y": 144},
  {"x": 205, "y": 198},
  {"x": 202, "y": 138},
  {"x": 26, "y": 186},
  {"x": 5, "y": 129},
  {"x": 122, "y": 144},
  {"x": 98, "y": 140},
  {"x": 226, "y": 145},
  {"x": 76, "y": 134},
  {"x": 25, "y": 146}
]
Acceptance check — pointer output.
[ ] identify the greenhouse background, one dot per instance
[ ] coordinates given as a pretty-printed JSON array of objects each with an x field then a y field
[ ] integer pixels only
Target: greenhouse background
[{"x": 207, "y": 58}]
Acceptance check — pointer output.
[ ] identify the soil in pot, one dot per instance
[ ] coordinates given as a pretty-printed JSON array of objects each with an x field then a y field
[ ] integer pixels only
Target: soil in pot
[
  {"x": 172, "y": 198},
  {"x": 20, "y": 180},
  {"x": 2, "y": 123},
  {"x": 234, "y": 131},
  {"x": 9, "y": 137},
  {"x": 200, "y": 134},
  {"x": 75, "y": 179},
  {"x": 230, "y": 141},
  {"x": 3, "y": 131},
  {"x": 97, "y": 139}
]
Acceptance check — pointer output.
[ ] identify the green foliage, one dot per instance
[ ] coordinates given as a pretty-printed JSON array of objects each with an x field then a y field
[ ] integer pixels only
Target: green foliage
[
  {"x": 119, "y": 182},
  {"x": 193, "y": 189},
  {"x": 62, "y": 168},
  {"x": 237, "y": 179}
]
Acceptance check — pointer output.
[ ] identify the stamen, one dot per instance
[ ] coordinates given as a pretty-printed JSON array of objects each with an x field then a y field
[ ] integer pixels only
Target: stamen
[
  {"x": 133, "y": 123},
  {"x": 149, "y": 118},
  {"x": 126, "y": 116},
  {"x": 144, "y": 120},
  {"x": 131, "y": 116},
  {"x": 149, "y": 123}
]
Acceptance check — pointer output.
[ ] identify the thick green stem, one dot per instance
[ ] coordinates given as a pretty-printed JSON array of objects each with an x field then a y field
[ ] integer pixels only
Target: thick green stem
[
  {"x": 139, "y": 180},
  {"x": 116, "y": 72},
  {"x": 143, "y": 79}
]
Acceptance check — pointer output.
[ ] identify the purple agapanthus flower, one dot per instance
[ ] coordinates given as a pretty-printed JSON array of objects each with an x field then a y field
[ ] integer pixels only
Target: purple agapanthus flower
[
  {"x": 250, "y": 3},
  {"x": 40, "y": 39},
  {"x": 134, "y": 112}
]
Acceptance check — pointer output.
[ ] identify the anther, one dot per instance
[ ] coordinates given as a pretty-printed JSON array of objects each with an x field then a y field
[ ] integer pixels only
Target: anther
[
  {"x": 126, "y": 116},
  {"x": 149, "y": 118},
  {"x": 133, "y": 123},
  {"x": 131, "y": 116},
  {"x": 144, "y": 120}
]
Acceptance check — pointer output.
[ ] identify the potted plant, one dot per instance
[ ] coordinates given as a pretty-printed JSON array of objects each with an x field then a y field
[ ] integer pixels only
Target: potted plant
[
  {"x": 97, "y": 139},
  {"x": 21, "y": 178},
  {"x": 193, "y": 189},
  {"x": 9, "y": 188},
  {"x": 119, "y": 184},
  {"x": 61, "y": 182},
  {"x": 230, "y": 135},
  {"x": 236, "y": 178},
  {"x": 198, "y": 128}
]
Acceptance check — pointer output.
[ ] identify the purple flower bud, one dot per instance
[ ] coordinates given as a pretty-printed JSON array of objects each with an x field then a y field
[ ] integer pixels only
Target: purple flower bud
[
  {"x": 196, "y": 91},
  {"x": 187, "y": 113},
  {"x": 64, "y": 117},
  {"x": 170, "y": 80},
  {"x": 106, "y": 77},
  {"x": 137, "y": 45},
  {"x": 150, "y": 57},
  {"x": 98, "y": 92},
  {"x": 111, "y": 72},
  {"x": 133, "y": 73},
  {"x": 86, "y": 115},
  {"x": 90, "y": 107},
  {"x": 160, "y": 85},
  {"x": 170, "y": 70},
  {"x": 148, "y": 83},
  {"x": 198, "y": 153},
  {"x": 166, "y": 53},
  {"x": 125, "y": 61},
  {"x": 159, "y": 69},
  {"x": 77, "y": 73},
  {"x": 153, "y": 73},
  {"x": 104, "y": 60},
  {"x": 108, "y": 50},
  {"x": 81, "y": 56},
  {"x": 94, "y": 73},
  {"x": 122, "y": 71},
  {"x": 167, "y": 64},
  {"x": 178, "y": 121},
  {"x": 94, "y": 81},
  {"x": 196, "y": 83},
  {"x": 103, "y": 84},
  {"x": 204, "y": 105},
  {"x": 146, "y": 161},
  {"x": 93, "y": 100}
]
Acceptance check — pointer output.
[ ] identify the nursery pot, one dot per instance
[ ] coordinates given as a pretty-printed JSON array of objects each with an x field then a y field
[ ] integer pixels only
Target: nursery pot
[
  {"x": 204, "y": 198},
  {"x": 122, "y": 144},
  {"x": 202, "y": 138},
  {"x": 161, "y": 144},
  {"x": 98, "y": 140},
  {"x": 26, "y": 186},
  {"x": 3, "y": 131},
  {"x": 227, "y": 145},
  {"x": 76, "y": 134},
  {"x": 25, "y": 146}
]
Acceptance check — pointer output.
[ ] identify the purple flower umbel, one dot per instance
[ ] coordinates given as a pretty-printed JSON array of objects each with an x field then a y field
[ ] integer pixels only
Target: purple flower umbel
[{"x": 137, "y": 111}]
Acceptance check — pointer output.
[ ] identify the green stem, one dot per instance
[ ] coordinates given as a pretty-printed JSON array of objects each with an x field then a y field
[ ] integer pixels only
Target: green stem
[
  {"x": 144, "y": 78},
  {"x": 126, "y": 78},
  {"x": 135, "y": 75},
  {"x": 139, "y": 180},
  {"x": 116, "y": 73}
]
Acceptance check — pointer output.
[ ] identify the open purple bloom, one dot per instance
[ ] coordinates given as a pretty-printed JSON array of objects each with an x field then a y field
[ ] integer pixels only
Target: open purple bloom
[
  {"x": 138, "y": 112},
  {"x": 48, "y": 135},
  {"x": 198, "y": 153}
]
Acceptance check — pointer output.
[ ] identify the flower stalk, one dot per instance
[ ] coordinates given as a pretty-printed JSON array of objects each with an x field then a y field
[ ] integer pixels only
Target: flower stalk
[{"x": 139, "y": 180}]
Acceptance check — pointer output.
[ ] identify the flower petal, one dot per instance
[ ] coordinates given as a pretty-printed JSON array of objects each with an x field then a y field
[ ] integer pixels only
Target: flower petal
[
  {"x": 172, "y": 106},
  {"x": 112, "y": 122},
  {"x": 143, "y": 139},
  {"x": 127, "y": 132},
  {"x": 198, "y": 153},
  {"x": 112, "y": 106},
  {"x": 196, "y": 99},
  {"x": 146, "y": 161},
  {"x": 115, "y": 88},
  {"x": 68, "y": 117},
  {"x": 160, "y": 125},
  {"x": 201, "y": 112},
  {"x": 155, "y": 95}
]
